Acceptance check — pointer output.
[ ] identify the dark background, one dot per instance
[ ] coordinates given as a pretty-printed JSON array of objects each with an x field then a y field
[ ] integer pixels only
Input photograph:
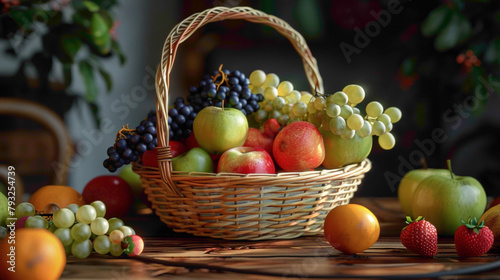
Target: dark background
[{"x": 398, "y": 66}]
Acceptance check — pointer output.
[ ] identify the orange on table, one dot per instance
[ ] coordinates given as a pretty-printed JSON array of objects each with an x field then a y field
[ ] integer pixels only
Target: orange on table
[
  {"x": 39, "y": 254},
  {"x": 351, "y": 228},
  {"x": 55, "y": 194}
]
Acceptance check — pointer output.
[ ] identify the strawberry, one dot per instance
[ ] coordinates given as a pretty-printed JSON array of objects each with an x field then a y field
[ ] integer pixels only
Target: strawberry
[
  {"x": 420, "y": 236},
  {"x": 473, "y": 239}
]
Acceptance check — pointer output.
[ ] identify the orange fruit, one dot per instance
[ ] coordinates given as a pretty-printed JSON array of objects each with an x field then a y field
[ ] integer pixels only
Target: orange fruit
[
  {"x": 38, "y": 254},
  {"x": 62, "y": 196},
  {"x": 351, "y": 228}
]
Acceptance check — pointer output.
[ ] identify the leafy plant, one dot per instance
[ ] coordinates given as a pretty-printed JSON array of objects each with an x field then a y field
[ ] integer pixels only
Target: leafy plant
[{"x": 75, "y": 37}]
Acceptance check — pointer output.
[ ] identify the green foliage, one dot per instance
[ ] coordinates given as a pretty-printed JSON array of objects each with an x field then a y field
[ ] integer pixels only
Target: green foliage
[{"x": 78, "y": 34}]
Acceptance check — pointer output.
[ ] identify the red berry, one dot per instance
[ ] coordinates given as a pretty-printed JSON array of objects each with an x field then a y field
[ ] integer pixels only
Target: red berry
[
  {"x": 473, "y": 239},
  {"x": 420, "y": 236},
  {"x": 133, "y": 245}
]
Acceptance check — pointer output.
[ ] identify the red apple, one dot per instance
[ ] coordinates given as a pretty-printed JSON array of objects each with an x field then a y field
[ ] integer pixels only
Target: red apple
[
  {"x": 150, "y": 157},
  {"x": 113, "y": 191},
  {"x": 271, "y": 128},
  {"x": 299, "y": 147},
  {"x": 256, "y": 138},
  {"x": 246, "y": 160}
]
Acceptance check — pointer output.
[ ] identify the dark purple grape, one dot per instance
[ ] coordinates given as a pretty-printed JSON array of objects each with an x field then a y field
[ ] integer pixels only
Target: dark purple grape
[
  {"x": 111, "y": 150},
  {"x": 140, "y": 129},
  {"x": 127, "y": 153},
  {"x": 135, "y": 139},
  {"x": 152, "y": 130},
  {"x": 141, "y": 147},
  {"x": 147, "y": 138}
]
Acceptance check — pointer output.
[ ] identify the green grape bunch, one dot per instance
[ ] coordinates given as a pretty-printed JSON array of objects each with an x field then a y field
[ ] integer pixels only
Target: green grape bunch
[{"x": 338, "y": 112}]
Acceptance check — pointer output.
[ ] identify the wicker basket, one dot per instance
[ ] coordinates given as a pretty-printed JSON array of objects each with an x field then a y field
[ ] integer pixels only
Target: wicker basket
[{"x": 237, "y": 206}]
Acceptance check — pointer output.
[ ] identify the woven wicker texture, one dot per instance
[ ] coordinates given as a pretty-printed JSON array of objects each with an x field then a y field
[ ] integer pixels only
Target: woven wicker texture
[{"x": 237, "y": 206}]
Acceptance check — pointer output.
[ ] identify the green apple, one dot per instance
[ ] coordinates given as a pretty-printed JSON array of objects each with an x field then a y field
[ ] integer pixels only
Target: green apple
[
  {"x": 219, "y": 129},
  {"x": 4, "y": 213},
  {"x": 132, "y": 178},
  {"x": 194, "y": 160},
  {"x": 446, "y": 201},
  {"x": 340, "y": 152},
  {"x": 409, "y": 183}
]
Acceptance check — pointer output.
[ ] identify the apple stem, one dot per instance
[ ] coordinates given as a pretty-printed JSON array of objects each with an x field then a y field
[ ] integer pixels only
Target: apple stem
[
  {"x": 448, "y": 163},
  {"x": 423, "y": 162},
  {"x": 222, "y": 105}
]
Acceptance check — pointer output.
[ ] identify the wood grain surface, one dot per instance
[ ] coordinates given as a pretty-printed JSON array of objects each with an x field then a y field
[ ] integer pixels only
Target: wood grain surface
[{"x": 175, "y": 256}]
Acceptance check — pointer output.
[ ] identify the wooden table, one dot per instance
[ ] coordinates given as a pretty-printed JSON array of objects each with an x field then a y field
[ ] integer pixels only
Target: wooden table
[{"x": 175, "y": 256}]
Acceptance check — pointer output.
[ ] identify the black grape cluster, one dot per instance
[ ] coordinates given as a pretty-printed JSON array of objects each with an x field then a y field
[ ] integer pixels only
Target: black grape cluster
[
  {"x": 223, "y": 85},
  {"x": 130, "y": 143}
]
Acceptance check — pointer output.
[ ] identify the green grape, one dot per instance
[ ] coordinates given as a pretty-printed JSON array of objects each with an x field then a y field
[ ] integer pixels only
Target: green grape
[
  {"x": 114, "y": 223},
  {"x": 275, "y": 114},
  {"x": 284, "y": 88},
  {"x": 339, "y": 98},
  {"x": 394, "y": 113},
  {"x": 291, "y": 120},
  {"x": 63, "y": 218},
  {"x": 347, "y": 134},
  {"x": 257, "y": 90},
  {"x": 378, "y": 128},
  {"x": 268, "y": 105},
  {"x": 325, "y": 122},
  {"x": 67, "y": 249},
  {"x": 310, "y": 107},
  {"x": 102, "y": 244},
  {"x": 99, "y": 226},
  {"x": 279, "y": 102},
  {"x": 319, "y": 103},
  {"x": 73, "y": 207},
  {"x": 386, "y": 141},
  {"x": 365, "y": 130},
  {"x": 80, "y": 231},
  {"x": 355, "y": 121},
  {"x": 52, "y": 227},
  {"x": 257, "y": 78},
  {"x": 384, "y": 119},
  {"x": 333, "y": 110},
  {"x": 270, "y": 93},
  {"x": 100, "y": 208},
  {"x": 287, "y": 108},
  {"x": 261, "y": 115},
  {"x": 81, "y": 249},
  {"x": 283, "y": 119},
  {"x": 36, "y": 222},
  {"x": 337, "y": 125},
  {"x": 355, "y": 110},
  {"x": 25, "y": 209},
  {"x": 116, "y": 236},
  {"x": 389, "y": 127},
  {"x": 299, "y": 109},
  {"x": 355, "y": 94},
  {"x": 291, "y": 114},
  {"x": 127, "y": 231},
  {"x": 345, "y": 111},
  {"x": 305, "y": 97},
  {"x": 86, "y": 214},
  {"x": 64, "y": 234},
  {"x": 272, "y": 80},
  {"x": 116, "y": 249},
  {"x": 293, "y": 97},
  {"x": 374, "y": 109}
]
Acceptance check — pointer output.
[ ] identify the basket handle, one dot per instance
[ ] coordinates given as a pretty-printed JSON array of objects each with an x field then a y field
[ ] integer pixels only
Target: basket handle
[{"x": 183, "y": 31}]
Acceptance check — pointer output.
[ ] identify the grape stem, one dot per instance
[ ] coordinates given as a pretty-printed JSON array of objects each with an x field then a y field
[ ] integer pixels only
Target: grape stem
[
  {"x": 121, "y": 134},
  {"x": 223, "y": 78}
]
